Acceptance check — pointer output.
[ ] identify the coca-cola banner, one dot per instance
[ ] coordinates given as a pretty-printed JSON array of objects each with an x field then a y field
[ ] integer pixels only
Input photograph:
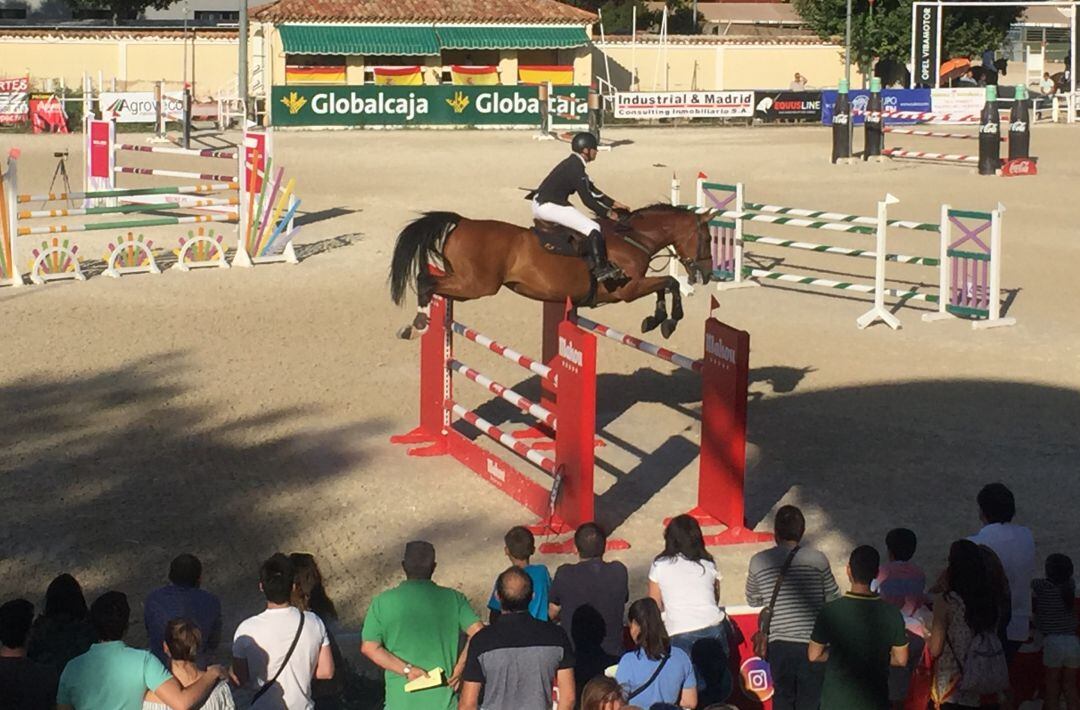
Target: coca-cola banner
[{"x": 772, "y": 106}]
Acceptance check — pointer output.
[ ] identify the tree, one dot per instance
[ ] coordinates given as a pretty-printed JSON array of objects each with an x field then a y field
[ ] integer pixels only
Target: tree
[
  {"x": 882, "y": 30},
  {"x": 120, "y": 9}
]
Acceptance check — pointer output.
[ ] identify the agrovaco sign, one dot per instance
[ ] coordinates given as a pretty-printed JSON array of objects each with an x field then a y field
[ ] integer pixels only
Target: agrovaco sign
[{"x": 444, "y": 105}]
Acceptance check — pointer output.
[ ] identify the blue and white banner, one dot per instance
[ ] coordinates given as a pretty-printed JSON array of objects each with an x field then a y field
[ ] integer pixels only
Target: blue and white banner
[{"x": 891, "y": 100}]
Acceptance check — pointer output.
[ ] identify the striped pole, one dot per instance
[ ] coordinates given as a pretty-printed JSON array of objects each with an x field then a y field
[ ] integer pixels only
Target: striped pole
[
  {"x": 924, "y": 116},
  {"x": 935, "y": 134},
  {"x": 642, "y": 345},
  {"x": 796, "y": 222},
  {"x": 839, "y": 217},
  {"x": 918, "y": 154},
  {"x": 156, "y": 222},
  {"x": 515, "y": 445},
  {"x": 125, "y": 209},
  {"x": 840, "y": 285},
  {"x": 509, "y": 353},
  {"x": 842, "y": 251},
  {"x": 195, "y": 153},
  {"x": 172, "y": 173},
  {"x": 525, "y": 405},
  {"x": 128, "y": 192}
]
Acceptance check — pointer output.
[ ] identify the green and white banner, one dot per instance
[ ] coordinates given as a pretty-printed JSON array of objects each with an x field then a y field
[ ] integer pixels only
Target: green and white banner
[{"x": 443, "y": 105}]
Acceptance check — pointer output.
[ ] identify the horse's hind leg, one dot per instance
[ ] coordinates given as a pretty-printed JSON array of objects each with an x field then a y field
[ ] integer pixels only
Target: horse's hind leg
[{"x": 426, "y": 287}]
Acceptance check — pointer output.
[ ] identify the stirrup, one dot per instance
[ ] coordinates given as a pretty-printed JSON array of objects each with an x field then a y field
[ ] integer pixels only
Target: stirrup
[{"x": 606, "y": 271}]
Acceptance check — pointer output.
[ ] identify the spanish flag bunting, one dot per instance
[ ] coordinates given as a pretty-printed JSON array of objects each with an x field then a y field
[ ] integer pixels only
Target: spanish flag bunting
[
  {"x": 315, "y": 75},
  {"x": 398, "y": 76},
  {"x": 475, "y": 75},
  {"x": 555, "y": 74}
]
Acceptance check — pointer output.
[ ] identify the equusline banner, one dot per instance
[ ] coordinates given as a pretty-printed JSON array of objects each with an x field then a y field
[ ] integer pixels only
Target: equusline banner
[{"x": 442, "y": 105}]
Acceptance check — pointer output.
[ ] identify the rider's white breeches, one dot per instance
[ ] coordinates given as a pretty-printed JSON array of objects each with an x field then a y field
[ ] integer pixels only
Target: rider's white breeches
[{"x": 565, "y": 215}]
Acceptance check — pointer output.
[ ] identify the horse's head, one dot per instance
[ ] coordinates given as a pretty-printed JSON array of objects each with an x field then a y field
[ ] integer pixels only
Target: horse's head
[{"x": 684, "y": 229}]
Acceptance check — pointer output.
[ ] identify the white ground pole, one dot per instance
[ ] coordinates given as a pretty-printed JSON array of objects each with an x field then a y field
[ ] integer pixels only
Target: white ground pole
[
  {"x": 942, "y": 4},
  {"x": 879, "y": 312}
]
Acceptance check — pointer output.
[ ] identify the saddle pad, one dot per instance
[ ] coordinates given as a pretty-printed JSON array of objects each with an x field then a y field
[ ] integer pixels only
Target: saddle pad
[{"x": 558, "y": 240}]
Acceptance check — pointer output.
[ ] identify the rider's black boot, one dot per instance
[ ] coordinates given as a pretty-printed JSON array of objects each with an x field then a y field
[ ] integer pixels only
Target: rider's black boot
[{"x": 601, "y": 268}]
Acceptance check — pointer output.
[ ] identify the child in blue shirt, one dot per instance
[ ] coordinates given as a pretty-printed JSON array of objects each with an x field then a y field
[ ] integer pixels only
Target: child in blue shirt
[{"x": 520, "y": 546}]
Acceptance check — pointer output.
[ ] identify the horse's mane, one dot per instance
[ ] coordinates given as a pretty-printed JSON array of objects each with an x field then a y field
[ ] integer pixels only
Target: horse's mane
[{"x": 660, "y": 207}]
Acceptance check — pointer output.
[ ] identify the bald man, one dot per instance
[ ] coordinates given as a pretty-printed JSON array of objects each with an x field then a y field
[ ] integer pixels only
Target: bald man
[{"x": 518, "y": 659}]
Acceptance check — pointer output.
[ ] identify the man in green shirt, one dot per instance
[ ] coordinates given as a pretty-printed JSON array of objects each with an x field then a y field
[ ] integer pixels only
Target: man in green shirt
[
  {"x": 857, "y": 637},
  {"x": 114, "y": 675},
  {"x": 416, "y": 627}
]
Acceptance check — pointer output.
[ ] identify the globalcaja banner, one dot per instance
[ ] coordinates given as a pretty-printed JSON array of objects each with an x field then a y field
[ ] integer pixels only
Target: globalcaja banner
[
  {"x": 770, "y": 106},
  {"x": 138, "y": 106},
  {"x": 14, "y": 105},
  {"x": 926, "y": 58},
  {"x": 891, "y": 100},
  {"x": 443, "y": 105},
  {"x": 684, "y": 104}
]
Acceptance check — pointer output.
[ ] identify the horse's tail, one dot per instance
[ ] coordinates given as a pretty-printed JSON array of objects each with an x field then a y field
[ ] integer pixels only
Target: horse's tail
[{"x": 420, "y": 241}]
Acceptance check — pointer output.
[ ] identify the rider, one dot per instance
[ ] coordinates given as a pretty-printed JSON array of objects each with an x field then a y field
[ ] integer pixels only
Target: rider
[{"x": 551, "y": 203}]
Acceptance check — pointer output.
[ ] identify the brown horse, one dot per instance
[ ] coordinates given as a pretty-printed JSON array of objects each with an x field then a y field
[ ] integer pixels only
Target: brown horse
[{"x": 478, "y": 257}]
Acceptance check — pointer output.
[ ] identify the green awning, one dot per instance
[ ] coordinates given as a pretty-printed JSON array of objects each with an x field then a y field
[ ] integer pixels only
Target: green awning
[
  {"x": 348, "y": 39},
  {"x": 487, "y": 37}
]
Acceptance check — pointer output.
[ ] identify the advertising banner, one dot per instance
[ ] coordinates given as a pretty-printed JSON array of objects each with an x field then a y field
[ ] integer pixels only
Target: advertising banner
[
  {"x": 891, "y": 100},
  {"x": 138, "y": 106},
  {"x": 684, "y": 104},
  {"x": 14, "y": 100},
  {"x": 47, "y": 114},
  {"x": 926, "y": 58},
  {"x": 772, "y": 106},
  {"x": 443, "y": 105},
  {"x": 958, "y": 102}
]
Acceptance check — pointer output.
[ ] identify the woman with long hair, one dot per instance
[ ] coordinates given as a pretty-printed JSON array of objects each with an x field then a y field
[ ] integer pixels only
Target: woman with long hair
[
  {"x": 655, "y": 671},
  {"x": 182, "y": 641},
  {"x": 602, "y": 693},
  {"x": 685, "y": 584},
  {"x": 63, "y": 630},
  {"x": 309, "y": 594},
  {"x": 969, "y": 606}
]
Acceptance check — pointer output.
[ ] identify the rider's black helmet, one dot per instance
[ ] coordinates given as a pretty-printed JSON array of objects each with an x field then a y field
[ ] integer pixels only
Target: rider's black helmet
[{"x": 582, "y": 141}]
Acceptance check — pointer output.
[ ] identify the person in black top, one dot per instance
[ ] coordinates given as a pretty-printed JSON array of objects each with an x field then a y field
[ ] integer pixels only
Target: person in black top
[{"x": 551, "y": 203}]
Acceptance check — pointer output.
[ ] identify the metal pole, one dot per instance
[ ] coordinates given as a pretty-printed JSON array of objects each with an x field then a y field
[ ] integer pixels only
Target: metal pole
[
  {"x": 242, "y": 71},
  {"x": 847, "y": 46}
]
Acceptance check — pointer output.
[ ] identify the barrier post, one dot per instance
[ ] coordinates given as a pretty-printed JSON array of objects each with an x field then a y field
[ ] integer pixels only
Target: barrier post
[
  {"x": 673, "y": 260},
  {"x": 879, "y": 312},
  {"x": 995, "y": 320},
  {"x": 576, "y": 407},
  {"x": 722, "y": 466},
  {"x": 9, "y": 257}
]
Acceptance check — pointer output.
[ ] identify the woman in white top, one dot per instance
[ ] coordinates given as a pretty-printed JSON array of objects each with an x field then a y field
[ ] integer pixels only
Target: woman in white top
[
  {"x": 182, "y": 640},
  {"x": 685, "y": 583}
]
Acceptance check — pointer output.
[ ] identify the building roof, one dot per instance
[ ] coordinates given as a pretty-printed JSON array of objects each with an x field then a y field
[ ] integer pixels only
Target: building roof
[
  {"x": 389, "y": 11},
  {"x": 113, "y": 33},
  {"x": 785, "y": 38},
  {"x": 770, "y": 13}
]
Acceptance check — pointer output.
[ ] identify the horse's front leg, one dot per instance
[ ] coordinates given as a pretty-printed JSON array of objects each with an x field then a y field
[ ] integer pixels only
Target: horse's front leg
[{"x": 659, "y": 285}]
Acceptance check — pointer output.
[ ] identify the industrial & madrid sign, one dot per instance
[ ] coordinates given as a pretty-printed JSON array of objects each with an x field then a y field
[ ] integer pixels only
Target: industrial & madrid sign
[{"x": 443, "y": 105}]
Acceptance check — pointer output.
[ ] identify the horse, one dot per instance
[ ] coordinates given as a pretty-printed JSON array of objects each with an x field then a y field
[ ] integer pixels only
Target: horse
[{"x": 476, "y": 258}]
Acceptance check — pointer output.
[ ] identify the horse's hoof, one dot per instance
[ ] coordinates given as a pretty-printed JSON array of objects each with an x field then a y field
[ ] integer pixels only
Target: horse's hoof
[
  {"x": 649, "y": 323},
  {"x": 420, "y": 322},
  {"x": 668, "y": 327},
  {"x": 405, "y": 332}
]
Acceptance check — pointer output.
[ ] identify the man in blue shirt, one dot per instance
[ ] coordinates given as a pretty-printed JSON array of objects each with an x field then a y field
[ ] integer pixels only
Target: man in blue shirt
[{"x": 182, "y": 599}]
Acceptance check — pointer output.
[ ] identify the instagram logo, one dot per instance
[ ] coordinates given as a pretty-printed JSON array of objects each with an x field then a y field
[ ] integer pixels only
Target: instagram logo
[{"x": 757, "y": 682}]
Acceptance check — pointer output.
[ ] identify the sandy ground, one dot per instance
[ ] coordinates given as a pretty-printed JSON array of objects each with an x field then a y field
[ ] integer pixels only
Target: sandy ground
[{"x": 235, "y": 413}]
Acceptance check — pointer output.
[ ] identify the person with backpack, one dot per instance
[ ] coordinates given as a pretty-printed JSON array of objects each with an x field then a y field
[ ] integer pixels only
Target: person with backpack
[{"x": 969, "y": 660}]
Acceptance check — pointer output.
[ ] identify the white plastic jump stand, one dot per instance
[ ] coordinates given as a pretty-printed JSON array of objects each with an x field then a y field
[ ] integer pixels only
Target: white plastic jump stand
[
  {"x": 673, "y": 259},
  {"x": 879, "y": 312},
  {"x": 738, "y": 210}
]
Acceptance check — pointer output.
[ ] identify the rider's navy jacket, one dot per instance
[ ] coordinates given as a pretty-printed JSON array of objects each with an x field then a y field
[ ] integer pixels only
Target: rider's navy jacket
[{"x": 569, "y": 177}]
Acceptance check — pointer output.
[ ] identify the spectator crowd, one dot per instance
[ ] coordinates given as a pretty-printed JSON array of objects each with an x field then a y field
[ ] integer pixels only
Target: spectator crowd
[{"x": 575, "y": 639}]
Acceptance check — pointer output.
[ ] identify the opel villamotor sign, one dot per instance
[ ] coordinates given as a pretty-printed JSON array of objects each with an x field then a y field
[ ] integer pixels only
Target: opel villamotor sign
[{"x": 444, "y": 105}]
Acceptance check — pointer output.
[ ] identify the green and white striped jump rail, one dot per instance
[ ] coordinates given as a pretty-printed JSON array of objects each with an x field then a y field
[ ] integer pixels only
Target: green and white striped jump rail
[
  {"x": 125, "y": 209},
  {"x": 128, "y": 192},
  {"x": 98, "y": 226},
  {"x": 171, "y": 173},
  {"x": 839, "y": 285},
  {"x": 792, "y": 222},
  {"x": 842, "y": 251},
  {"x": 839, "y": 217}
]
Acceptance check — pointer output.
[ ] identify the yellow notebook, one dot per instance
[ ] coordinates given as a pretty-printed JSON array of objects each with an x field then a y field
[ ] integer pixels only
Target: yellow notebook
[{"x": 434, "y": 678}]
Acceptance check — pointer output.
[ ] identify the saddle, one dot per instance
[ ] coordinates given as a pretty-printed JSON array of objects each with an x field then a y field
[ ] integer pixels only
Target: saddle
[{"x": 564, "y": 241}]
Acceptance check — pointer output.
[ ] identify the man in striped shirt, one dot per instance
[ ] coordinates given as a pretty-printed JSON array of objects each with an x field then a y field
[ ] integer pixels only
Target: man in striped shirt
[{"x": 807, "y": 586}]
